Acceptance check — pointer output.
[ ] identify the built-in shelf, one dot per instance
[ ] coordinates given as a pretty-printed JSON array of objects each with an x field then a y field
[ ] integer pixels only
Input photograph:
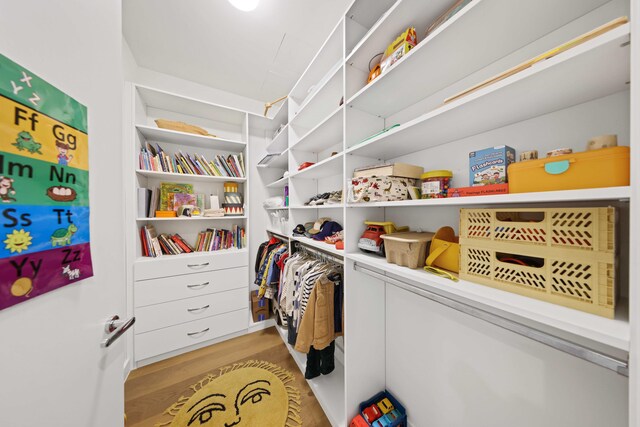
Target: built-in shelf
[
  {"x": 186, "y": 105},
  {"x": 277, "y": 209},
  {"x": 280, "y": 143},
  {"x": 198, "y": 218},
  {"x": 595, "y": 69},
  {"x": 281, "y": 183},
  {"x": 330, "y": 206},
  {"x": 275, "y": 161},
  {"x": 319, "y": 245},
  {"x": 189, "y": 177},
  {"x": 590, "y": 194},
  {"x": 614, "y": 333},
  {"x": 432, "y": 59},
  {"x": 328, "y": 389},
  {"x": 277, "y": 233},
  {"x": 189, "y": 139},
  {"x": 142, "y": 259},
  {"x": 318, "y": 105},
  {"x": 327, "y": 133},
  {"x": 328, "y": 167}
]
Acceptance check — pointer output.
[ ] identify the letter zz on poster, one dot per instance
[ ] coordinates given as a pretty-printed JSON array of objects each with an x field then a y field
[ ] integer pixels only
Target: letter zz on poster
[{"x": 44, "y": 187}]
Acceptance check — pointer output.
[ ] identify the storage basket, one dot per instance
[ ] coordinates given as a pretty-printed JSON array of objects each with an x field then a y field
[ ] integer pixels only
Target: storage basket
[
  {"x": 565, "y": 256},
  {"x": 401, "y": 421},
  {"x": 407, "y": 249},
  {"x": 379, "y": 189}
]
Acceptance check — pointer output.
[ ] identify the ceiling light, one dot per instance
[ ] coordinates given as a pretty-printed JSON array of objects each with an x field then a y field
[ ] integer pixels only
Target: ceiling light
[{"x": 245, "y": 5}]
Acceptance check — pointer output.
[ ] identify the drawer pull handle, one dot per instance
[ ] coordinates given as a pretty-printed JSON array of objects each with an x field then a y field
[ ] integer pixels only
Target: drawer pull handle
[
  {"x": 193, "y": 310},
  {"x": 197, "y": 333},
  {"x": 204, "y": 264},
  {"x": 198, "y": 285}
]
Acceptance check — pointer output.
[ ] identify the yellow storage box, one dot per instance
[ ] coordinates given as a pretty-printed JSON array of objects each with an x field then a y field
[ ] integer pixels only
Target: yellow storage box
[
  {"x": 565, "y": 256},
  {"x": 606, "y": 167}
]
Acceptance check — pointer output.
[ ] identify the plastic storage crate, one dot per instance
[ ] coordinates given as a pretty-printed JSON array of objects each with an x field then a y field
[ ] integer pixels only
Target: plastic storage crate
[
  {"x": 401, "y": 421},
  {"x": 565, "y": 256}
]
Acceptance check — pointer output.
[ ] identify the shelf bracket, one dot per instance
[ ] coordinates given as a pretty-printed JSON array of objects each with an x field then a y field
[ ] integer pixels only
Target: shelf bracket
[{"x": 590, "y": 355}]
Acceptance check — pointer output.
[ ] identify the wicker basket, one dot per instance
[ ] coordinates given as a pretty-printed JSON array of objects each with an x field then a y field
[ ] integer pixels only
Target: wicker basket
[{"x": 570, "y": 254}]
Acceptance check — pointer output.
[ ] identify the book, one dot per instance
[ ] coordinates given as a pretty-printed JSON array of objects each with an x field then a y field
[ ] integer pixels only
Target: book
[
  {"x": 171, "y": 187},
  {"x": 181, "y": 199},
  {"x": 144, "y": 200}
]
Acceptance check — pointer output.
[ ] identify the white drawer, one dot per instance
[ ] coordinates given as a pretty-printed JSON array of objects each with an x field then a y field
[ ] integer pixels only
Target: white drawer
[
  {"x": 155, "y": 291},
  {"x": 186, "y": 310},
  {"x": 172, "y": 338},
  {"x": 164, "y": 266}
]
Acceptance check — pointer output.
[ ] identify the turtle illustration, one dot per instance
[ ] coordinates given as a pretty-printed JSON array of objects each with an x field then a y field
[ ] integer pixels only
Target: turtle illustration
[
  {"x": 25, "y": 141},
  {"x": 62, "y": 236}
]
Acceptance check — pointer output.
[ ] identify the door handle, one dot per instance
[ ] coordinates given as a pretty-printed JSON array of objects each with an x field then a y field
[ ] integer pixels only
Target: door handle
[{"x": 116, "y": 329}]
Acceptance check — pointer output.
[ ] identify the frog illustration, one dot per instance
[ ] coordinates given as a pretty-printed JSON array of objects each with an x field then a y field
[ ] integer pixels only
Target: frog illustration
[{"x": 25, "y": 141}]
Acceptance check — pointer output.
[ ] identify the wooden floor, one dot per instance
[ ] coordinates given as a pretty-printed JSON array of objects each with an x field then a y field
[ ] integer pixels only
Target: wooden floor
[{"x": 153, "y": 388}]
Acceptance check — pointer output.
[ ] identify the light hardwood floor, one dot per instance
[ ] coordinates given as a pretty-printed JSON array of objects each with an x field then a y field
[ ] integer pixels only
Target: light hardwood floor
[{"x": 153, "y": 388}]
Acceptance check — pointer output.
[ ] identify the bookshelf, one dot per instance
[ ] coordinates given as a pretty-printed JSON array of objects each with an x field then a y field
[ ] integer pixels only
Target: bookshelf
[{"x": 193, "y": 276}]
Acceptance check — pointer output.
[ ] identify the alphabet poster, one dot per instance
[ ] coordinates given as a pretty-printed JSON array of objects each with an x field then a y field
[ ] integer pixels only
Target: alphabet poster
[{"x": 44, "y": 187}]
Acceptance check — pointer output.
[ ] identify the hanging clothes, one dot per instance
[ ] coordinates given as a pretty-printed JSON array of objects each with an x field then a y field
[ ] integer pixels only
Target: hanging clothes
[{"x": 267, "y": 267}]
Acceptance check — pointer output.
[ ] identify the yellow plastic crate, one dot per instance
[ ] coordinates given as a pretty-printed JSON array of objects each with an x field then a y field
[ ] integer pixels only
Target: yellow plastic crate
[{"x": 569, "y": 254}]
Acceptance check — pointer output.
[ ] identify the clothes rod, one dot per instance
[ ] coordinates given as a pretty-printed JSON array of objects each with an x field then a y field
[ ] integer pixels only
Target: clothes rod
[
  {"x": 577, "y": 350},
  {"x": 304, "y": 248}
]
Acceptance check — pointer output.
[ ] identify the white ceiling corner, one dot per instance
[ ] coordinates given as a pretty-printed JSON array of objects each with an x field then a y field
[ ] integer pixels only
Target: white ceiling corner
[{"x": 259, "y": 54}]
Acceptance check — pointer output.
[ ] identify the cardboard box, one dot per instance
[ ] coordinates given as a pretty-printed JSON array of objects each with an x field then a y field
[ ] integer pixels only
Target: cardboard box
[
  {"x": 481, "y": 190},
  {"x": 259, "y": 307},
  {"x": 402, "y": 170},
  {"x": 489, "y": 166}
]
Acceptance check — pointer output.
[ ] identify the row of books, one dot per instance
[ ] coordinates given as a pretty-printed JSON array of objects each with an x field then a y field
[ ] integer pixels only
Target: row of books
[
  {"x": 155, "y": 159},
  {"x": 218, "y": 239},
  {"x": 155, "y": 245}
]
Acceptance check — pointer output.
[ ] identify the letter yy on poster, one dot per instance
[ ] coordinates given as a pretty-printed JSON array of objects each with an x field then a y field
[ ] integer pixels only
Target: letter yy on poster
[{"x": 44, "y": 187}]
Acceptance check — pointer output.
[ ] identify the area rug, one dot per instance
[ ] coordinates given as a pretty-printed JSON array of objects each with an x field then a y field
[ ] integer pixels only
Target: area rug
[{"x": 249, "y": 394}]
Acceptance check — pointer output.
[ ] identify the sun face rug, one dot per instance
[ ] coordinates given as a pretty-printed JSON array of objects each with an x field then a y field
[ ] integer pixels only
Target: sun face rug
[{"x": 249, "y": 394}]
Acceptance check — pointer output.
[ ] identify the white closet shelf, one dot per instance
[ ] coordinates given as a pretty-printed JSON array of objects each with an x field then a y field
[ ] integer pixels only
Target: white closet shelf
[
  {"x": 188, "y": 177},
  {"x": 281, "y": 208},
  {"x": 328, "y": 167},
  {"x": 144, "y": 259},
  {"x": 614, "y": 333},
  {"x": 590, "y": 194},
  {"x": 280, "y": 143},
  {"x": 336, "y": 206},
  {"x": 278, "y": 233},
  {"x": 320, "y": 245},
  {"x": 281, "y": 183},
  {"x": 328, "y": 389},
  {"x": 279, "y": 161},
  {"x": 189, "y": 139},
  {"x": 328, "y": 131},
  {"x": 595, "y": 69},
  {"x": 432, "y": 61},
  {"x": 199, "y": 218},
  {"x": 186, "y": 105},
  {"x": 327, "y": 56},
  {"x": 318, "y": 105}
]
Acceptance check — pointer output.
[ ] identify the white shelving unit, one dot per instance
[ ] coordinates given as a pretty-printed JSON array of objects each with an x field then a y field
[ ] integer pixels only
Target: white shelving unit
[
  {"x": 220, "y": 278},
  {"x": 562, "y": 101}
]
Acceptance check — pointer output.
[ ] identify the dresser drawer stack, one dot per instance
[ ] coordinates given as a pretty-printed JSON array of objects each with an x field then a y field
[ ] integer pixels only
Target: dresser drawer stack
[{"x": 185, "y": 301}]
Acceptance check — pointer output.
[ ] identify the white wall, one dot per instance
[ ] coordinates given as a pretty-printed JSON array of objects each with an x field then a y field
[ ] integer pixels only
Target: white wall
[{"x": 46, "y": 376}]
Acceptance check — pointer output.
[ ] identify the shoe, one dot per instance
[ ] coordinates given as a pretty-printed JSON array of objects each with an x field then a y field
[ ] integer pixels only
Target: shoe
[
  {"x": 335, "y": 198},
  {"x": 327, "y": 362}
]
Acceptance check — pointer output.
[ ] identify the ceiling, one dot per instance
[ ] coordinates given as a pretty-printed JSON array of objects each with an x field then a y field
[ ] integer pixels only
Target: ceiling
[{"x": 259, "y": 54}]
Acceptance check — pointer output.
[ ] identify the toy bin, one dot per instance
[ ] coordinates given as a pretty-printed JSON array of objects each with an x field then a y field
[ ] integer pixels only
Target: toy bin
[
  {"x": 605, "y": 167},
  {"x": 564, "y": 256},
  {"x": 407, "y": 249},
  {"x": 400, "y": 421}
]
